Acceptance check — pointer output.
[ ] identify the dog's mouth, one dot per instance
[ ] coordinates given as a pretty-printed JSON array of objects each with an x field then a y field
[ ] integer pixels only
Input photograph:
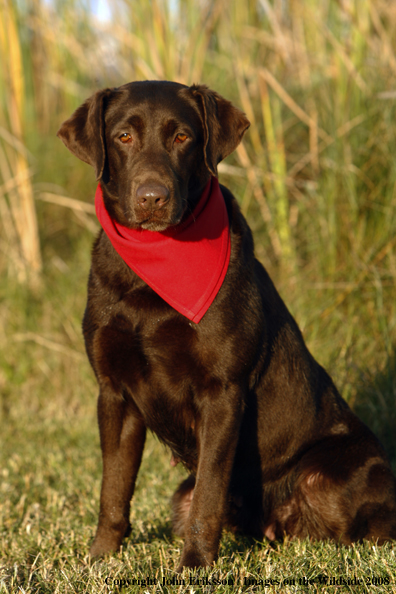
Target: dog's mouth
[
  {"x": 157, "y": 220},
  {"x": 156, "y": 225}
]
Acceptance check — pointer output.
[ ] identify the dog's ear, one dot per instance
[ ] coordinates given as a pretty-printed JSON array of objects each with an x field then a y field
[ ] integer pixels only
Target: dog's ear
[
  {"x": 223, "y": 124},
  {"x": 83, "y": 132}
]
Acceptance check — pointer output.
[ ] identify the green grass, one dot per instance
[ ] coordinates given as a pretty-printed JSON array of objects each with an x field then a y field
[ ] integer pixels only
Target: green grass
[
  {"x": 49, "y": 498},
  {"x": 316, "y": 178}
]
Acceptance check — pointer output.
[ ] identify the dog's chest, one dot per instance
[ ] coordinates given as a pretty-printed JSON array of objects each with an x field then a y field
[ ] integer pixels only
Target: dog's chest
[{"x": 166, "y": 366}]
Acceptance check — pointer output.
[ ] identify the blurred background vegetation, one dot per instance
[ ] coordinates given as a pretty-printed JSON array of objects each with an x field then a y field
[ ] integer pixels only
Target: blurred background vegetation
[
  {"x": 315, "y": 176},
  {"x": 316, "y": 179}
]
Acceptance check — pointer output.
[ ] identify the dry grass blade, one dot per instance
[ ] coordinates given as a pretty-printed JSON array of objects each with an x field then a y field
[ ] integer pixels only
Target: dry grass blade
[
  {"x": 22, "y": 206},
  {"x": 72, "y": 203},
  {"x": 14, "y": 182},
  {"x": 341, "y": 131},
  {"x": 282, "y": 42},
  {"x": 261, "y": 201},
  {"x": 198, "y": 43},
  {"x": 81, "y": 209},
  {"x": 384, "y": 251},
  {"x": 277, "y": 161},
  {"x": 386, "y": 41},
  {"x": 248, "y": 107},
  {"x": 14, "y": 142},
  {"x": 49, "y": 344},
  {"x": 291, "y": 104},
  {"x": 349, "y": 65}
]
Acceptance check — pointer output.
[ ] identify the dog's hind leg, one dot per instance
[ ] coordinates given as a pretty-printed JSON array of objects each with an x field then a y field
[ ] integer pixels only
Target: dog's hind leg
[
  {"x": 181, "y": 503},
  {"x": 344, "y": 497}
]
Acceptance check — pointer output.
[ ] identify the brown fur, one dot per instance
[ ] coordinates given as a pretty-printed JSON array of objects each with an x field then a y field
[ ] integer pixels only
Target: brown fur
[{"x": 270, "y": 445}]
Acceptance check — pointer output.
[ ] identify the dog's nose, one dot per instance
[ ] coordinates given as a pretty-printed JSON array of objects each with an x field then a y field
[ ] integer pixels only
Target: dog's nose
[{"x": 152, "y": 196}]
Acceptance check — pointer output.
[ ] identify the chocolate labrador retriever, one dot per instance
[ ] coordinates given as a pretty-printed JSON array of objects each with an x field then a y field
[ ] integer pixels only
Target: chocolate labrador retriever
[{"x": 189, "y": 338}]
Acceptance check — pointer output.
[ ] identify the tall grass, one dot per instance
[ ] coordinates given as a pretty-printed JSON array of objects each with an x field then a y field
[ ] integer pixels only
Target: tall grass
[
  {"x": 18, "y": 212},
  {"x": 311, "y": 76},
  {"x": 315, "y": 177}
]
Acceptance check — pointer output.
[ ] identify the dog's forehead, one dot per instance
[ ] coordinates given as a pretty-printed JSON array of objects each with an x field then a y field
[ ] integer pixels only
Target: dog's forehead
[
  {"x": 157, "y": 88},
  {"x": 155, "y": 99}
]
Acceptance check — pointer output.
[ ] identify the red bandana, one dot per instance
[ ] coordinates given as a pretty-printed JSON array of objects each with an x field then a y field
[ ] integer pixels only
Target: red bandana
[{"x": 186, "y": 264}]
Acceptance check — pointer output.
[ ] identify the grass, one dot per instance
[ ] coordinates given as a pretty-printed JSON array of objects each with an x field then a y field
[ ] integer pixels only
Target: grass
[
  {"x": 49, "y": 513},
  {"x": 315, "y": 177}
]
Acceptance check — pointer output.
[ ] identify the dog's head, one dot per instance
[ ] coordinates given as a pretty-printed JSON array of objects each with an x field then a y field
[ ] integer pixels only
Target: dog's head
[{"x": 153, "y": 146}]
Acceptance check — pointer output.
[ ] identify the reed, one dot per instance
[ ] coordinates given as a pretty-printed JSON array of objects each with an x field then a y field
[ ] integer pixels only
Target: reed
[
  {"x": 315, "y": 175},
  {"x": 16, "y": 192}
]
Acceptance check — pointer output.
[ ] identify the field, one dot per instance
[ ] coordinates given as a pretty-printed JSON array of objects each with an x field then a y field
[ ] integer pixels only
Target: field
[{"x": 316, "y": 179}]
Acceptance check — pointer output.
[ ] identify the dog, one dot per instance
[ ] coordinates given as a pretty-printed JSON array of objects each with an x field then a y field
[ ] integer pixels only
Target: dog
[{"x": 224, "y": 377}]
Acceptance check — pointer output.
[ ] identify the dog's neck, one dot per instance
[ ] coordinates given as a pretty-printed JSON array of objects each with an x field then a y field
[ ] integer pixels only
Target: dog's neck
[{"x": 185, "y": 264}]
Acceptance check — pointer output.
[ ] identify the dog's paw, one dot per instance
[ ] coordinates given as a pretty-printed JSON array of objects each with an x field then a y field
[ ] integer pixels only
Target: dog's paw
[
  {"x": 191, "y": 558},
  {"x": 107, "y": 542},
  {"x": 102, "y": 547}
]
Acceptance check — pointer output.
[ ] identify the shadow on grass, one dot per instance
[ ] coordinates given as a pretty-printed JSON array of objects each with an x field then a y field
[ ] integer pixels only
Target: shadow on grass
[
  {"x": 375, "y": 404},
  {"x": 157, "y": 530},
  {"x": 240, "y": 544}
]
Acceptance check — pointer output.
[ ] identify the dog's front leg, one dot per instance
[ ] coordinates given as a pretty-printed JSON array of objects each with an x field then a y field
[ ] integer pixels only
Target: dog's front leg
[
  {"x": 122, "y": 437},
  {"x": 217, "y": 440}
]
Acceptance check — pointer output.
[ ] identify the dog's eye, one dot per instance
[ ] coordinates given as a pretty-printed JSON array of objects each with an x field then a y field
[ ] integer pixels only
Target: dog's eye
[
  {"x": 125, "y": 138},
  {"x": 180, "y": 138}
]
